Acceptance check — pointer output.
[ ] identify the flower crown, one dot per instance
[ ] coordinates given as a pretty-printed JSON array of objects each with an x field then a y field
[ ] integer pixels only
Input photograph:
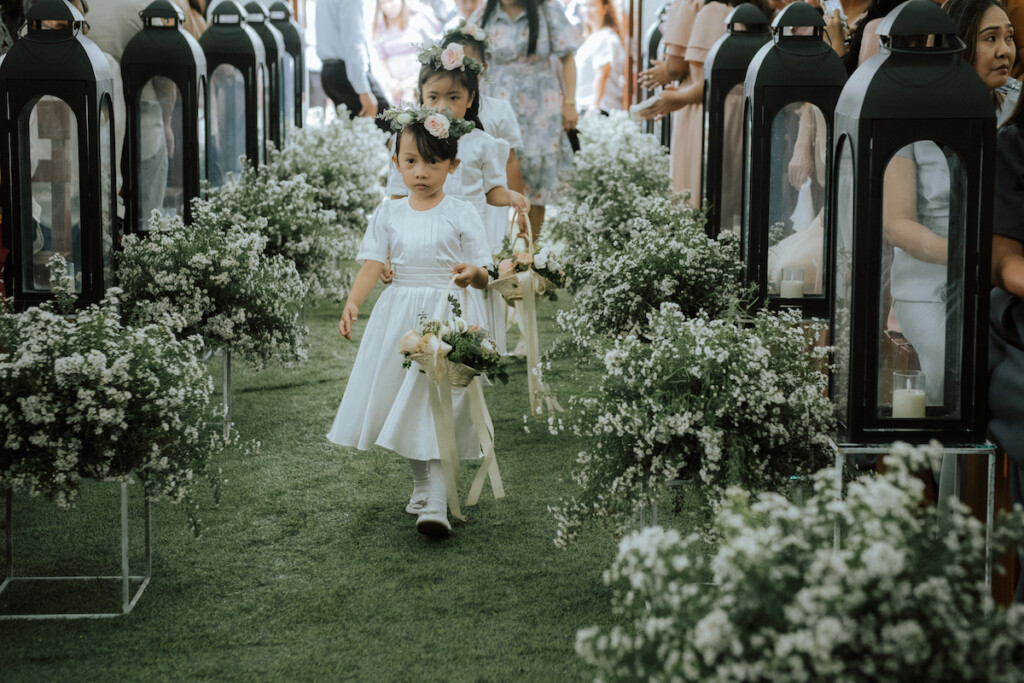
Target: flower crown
[
  {"x": 449, "y": 58},
  {"x": 470, "y": 30},
  {"x": 440, "y": 124}
]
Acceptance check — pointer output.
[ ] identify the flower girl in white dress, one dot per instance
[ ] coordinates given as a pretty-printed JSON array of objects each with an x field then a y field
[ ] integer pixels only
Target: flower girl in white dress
[{"x": 430, "y": 238}]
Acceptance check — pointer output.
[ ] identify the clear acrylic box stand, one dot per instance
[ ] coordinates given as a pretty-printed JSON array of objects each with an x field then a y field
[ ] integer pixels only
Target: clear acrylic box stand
[{"x": 128, "y": 598}]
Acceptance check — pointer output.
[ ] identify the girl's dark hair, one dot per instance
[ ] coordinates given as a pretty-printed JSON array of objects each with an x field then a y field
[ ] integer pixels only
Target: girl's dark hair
[
  {"x": 431, "y": 148},
  {"x": 532, "y": 19},
  {"x": 877, "y": 10},
  {"x": 967, "y": 15},
  {"x": 467, "y": 78}
]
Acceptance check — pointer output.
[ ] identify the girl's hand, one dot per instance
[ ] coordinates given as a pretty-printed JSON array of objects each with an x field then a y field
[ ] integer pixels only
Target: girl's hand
[
  {"x": 386, "y": 274},
  {"x": 569, "y": 115},
  {"x": 518, "y": 202},
  {"x": 466, "y": 274},
  {"x": 348, "y": 317}
]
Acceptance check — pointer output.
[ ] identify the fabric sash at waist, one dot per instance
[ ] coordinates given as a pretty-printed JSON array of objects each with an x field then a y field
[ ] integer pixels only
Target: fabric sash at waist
[{"x": 429, "y": 276}]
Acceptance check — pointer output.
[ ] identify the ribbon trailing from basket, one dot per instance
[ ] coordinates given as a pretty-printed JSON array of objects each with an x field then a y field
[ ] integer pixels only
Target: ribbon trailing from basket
[
  {"x": 526, "y": 309},
  {"x": 438, "y": 370}
]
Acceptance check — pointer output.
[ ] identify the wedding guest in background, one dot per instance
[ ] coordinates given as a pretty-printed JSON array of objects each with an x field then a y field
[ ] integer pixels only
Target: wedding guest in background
[
  {"x": 341, "y": 46},
  {"x": 524, "y": 35},
  {"x": 600, "y": 61},
  {"x": 399, "y": 28}
]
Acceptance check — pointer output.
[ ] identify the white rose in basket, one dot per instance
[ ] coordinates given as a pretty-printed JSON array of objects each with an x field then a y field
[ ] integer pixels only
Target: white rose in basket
[
  {"x": 409, "y": 342},
  {"x": 445, "y": 330},
  {"x": 459, "y": 325},
  {"x": 540, "y": 260}
]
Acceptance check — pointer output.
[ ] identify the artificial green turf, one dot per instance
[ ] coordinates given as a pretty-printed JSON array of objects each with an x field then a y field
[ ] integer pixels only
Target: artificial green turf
[{"x": 309, "y": 568}]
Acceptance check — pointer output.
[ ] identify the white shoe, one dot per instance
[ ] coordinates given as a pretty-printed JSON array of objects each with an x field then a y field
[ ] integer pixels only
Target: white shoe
[
  {"x": 417, "y": 503},
  {"x": 434, "y": 523}
]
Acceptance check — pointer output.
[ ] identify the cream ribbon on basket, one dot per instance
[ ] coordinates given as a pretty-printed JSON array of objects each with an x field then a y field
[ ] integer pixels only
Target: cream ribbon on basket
[
  {"x": 526, "y": 309},
  {"x": 440, "y": 393}
]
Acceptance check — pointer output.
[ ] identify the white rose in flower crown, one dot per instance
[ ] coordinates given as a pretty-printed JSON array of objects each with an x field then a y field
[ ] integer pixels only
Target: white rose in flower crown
[
  {"x": 474, "y": 32},
  {"x": 453, "y": 57},
  {"x": 404, "y": 119},
  {"x": 460, "y": 325},
  {"x": 437, "y": 125}
]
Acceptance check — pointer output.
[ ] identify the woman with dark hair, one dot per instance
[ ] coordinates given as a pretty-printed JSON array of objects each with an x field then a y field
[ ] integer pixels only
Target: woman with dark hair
[{"x": 524, "y": 36}]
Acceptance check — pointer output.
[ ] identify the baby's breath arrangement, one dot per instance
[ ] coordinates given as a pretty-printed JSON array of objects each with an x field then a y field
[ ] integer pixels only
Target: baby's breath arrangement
[
  {"x": 897, "y": 602},
  {"x": 345, "y": 160},
  {"x": 715, "y": 401},
  {"x": 221, "y": 284},
  {"x": 289, "y": 213},
  {"x": 88, "y": 397},
  {"x": 679, "y": 265}
]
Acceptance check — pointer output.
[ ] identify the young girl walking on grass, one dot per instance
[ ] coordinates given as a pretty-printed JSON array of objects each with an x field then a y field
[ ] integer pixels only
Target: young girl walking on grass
[{"x": 430, "y": 237}]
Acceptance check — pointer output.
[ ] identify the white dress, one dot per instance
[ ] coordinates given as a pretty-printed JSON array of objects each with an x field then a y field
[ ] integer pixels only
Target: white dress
[
  {"x": 385, "y": 404},
  {"x": 500, "y": 123}
]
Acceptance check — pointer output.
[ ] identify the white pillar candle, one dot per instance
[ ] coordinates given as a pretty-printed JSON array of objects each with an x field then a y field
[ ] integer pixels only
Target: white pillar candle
[
  {"x": 791, "y": 289},
  {"x": 908, "y": 403}
]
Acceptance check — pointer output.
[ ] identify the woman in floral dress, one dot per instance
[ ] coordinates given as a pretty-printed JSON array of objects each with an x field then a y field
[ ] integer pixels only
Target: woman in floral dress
[{"x": 524, "y": 37}]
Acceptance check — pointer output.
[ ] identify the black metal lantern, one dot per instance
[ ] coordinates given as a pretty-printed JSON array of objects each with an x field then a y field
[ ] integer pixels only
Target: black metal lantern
[
  {"x": 58, "y": 163},
  {"x": 724, "y": 71},
  {"x": 273, "y": 45},
  {"x": 164, "y": 73},
  {"x": 790, "y": 92},
  {"x": 239, "y": 94},
  {"x": 915, "y": 144},
  {"x": 296, "y": 77}
]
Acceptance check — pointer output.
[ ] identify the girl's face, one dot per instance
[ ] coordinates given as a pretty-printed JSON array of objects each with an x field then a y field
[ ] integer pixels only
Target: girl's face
[
  {"x": 424, "y": 178},
  {"x": 442, "y": 91},
  {"x": 390, "y": 8},
  {"x": 995, "y": 50},
  {"x": 466, "y": 7}
]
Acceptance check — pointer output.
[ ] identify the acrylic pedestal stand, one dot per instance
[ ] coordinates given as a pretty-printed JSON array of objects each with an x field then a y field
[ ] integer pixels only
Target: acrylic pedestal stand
[
  {"x": 961, "y": 453},
  {"x": 225, "y": 384},
  {"x": 128, "y": 598}
]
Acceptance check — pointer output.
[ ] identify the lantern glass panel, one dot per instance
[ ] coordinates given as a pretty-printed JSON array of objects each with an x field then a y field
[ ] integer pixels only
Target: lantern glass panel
[
  {"x": 161, "y": 174},
  {"x": 201, "y": 108},
  {"x": 227, "y": 126},
  {"x": 56, "y": 212},
  {"x": 106, "y": 189},
  {"x": 732, "y": 161},
  {"x": 795, "y": 233},
  {"x": 923, "y": 216},
  {"x": 288, "y": 88},
  {"x": 845, "y": 201},
  {"x": 262, "y": 113}
]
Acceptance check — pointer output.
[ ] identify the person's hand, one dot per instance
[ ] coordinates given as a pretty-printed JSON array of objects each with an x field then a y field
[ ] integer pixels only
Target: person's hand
[
  {"x": 835, "y": 28},
  {"x": 368, "y": 103},
  {"x": 524, "y": 227},
  {"x": 386, "y": 274},
  {"x": 664, "y": 106},
  {"x": 348, "y": 317},
  {"x": 656, "y": 76},
  {"x": 464, "y": 274},
  {"x": 518, "y": 202},
  {"x": 569, "y": 116},
  {"x": 799, "y": 167},
  {"x": 169, "y": 138}
]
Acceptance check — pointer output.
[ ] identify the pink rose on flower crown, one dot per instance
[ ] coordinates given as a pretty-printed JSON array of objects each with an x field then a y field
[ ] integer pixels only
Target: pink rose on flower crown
[
  {"x": 437, "y": 125},
  {"x": 453, "y": 57}
]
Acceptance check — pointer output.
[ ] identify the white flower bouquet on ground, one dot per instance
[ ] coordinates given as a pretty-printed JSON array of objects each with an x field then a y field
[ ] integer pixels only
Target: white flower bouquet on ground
[
  {"x": 709, "y": 400},
  {"x": 87, "y": 397},
  {"x": 898, "y": 601},
  {"x": 221, "y": 284}
]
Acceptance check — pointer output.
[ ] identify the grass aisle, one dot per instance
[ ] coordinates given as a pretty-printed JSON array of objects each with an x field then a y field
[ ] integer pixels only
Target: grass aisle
[{"x": 310, "y": 569}]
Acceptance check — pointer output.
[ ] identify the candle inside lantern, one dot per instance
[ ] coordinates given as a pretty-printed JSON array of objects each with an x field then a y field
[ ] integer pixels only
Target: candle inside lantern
[
  {"x": 908, "y": 394},
  {"x": 792, "y": 285}
]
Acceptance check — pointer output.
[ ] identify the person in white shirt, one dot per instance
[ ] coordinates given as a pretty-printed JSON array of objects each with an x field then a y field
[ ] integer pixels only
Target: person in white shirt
[
  {"x": 341, "y": 46},
  {"x": 600, "y": 61}
]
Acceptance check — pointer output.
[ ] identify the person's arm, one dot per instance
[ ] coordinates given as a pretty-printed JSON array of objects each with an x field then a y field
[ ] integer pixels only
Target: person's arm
[
  {"x": 869, "y": 41},
  {"x": 600, "y": 81},
  {"x": 672, "y": 98},
  {"x": 569, "y": 116},
  {"x": 800, "y": 165},
  {"x": 514, "y": 173},
  {"x": 364, "y": 283},
  {"x": 502, "y": 196},
  {"x": 899, "y": 215},
  {"x": 1008, "y": 264}
]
